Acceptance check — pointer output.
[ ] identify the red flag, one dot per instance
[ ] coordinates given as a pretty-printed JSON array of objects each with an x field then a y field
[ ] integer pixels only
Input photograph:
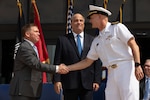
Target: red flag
[{"x": 41, "y": 46}]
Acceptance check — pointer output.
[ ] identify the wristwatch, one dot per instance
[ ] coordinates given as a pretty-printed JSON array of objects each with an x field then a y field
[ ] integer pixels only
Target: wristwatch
[{"x": 137, "y": 64}]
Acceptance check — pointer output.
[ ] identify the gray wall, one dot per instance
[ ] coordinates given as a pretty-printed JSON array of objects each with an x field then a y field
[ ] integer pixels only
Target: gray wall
[{"x": 54, "y": 11}]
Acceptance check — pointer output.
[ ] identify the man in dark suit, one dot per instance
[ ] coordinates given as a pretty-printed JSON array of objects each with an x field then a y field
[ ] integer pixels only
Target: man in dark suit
[
  {"x": 143, "y": 87},
  {"x": 26, "y": 83},
  {"x": 76, "y": 84}
]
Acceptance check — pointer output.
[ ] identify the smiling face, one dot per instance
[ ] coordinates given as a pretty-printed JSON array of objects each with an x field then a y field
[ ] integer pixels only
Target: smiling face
[
  {"x": 147, "y": 68},
  {"x": 77, "y": 23},
  {"x": 32, "y": 34}
]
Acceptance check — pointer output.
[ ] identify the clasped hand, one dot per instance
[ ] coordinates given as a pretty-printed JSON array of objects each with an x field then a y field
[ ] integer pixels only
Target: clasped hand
[{"x": 63, "y": 69}]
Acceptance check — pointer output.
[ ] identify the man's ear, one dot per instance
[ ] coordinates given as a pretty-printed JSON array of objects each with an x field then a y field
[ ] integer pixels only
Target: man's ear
[{"x": 27, "y": 34}]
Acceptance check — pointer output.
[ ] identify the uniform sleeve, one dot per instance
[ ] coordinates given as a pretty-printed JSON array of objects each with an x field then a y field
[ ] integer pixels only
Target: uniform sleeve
[
  {"x": 123, "y": 33},
  {"x": 93, "y": 54}
]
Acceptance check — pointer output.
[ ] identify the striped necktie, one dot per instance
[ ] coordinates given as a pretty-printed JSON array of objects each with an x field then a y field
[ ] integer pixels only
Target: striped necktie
[
  {"x": 79, "y": 44},
  {"x": 147, "y": 89},
  {"x": 35, "y": 49}
]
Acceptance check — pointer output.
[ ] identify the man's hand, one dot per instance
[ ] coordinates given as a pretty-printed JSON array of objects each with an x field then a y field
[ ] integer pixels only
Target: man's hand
[
  {"x": 95, "y": 86},
  {"x": 63, "y": 69},
  {"x": 139, "y": 73},
  {"x": 57, "y": 87}
]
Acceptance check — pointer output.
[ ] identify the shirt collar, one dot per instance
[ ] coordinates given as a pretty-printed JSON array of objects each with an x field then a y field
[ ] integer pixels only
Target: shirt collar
[
  {"x": 147, "y": 77},
  {"x": 81, "y": 34},
  {"x": 32, "y": 44},
  {"x": 105, "y": 30}
]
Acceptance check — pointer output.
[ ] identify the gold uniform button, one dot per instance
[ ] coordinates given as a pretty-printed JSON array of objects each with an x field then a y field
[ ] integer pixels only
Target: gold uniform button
[{"x": 113, "y": 66}]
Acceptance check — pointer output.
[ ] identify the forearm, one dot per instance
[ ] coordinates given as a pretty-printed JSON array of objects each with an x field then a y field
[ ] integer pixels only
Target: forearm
[
  {"x": 48, "y": 68},
  {"x": 80, "y": 65},
  {"x": 136, "y": 54},
  {"x": 135, "y": 50}
]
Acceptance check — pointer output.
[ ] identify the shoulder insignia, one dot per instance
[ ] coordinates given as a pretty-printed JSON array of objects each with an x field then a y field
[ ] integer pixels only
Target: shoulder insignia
[{"x": 113, "y": 23}]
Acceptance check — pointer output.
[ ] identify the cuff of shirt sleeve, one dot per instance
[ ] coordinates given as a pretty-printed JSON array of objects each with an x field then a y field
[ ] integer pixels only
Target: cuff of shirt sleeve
[{"x": 57, "y": 68}]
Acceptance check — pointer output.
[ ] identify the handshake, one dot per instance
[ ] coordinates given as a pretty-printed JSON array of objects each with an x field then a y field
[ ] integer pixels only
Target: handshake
[{"x": 63, "y": 69}]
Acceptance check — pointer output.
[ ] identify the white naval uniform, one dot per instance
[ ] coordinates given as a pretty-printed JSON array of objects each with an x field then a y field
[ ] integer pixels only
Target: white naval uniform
[{"x": 112, "y": 48}]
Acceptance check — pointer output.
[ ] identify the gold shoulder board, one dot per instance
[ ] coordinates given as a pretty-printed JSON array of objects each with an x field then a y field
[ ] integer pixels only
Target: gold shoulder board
[{"x": 113, "y": 23}]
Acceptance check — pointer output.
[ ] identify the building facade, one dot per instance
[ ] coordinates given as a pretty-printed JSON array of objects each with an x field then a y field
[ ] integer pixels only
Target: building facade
[{"x": 53, "y": 15}]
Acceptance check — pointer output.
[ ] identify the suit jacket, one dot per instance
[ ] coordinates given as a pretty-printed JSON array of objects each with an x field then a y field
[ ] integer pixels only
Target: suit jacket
[
  {"x": 27, "y": 80},
  {"x": 142, "y": 88},
  {"x": 67, "y": 53}
]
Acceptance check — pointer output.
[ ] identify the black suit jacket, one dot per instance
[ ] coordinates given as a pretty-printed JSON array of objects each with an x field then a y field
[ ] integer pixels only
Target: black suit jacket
[
  {"x": 142, "y": 88},
  {"x": 67, "y": 53},
  {"x": 27, "y": 80}
]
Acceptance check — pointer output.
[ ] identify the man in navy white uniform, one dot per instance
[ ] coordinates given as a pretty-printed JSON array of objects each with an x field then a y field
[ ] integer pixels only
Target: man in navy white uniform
[{"x": 119, "y": 52}]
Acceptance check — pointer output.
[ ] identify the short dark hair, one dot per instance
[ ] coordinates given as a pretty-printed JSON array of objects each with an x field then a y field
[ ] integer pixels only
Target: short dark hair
[{"x": 27, "y": 27}]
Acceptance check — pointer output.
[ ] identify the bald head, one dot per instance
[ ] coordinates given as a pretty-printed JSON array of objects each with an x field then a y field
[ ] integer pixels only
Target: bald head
[
  {"x": 77, "y": 23},
  {"x": 77, "y": 15}
]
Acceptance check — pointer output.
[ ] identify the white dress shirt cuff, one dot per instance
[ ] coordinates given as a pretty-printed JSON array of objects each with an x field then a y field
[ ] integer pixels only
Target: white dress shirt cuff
[{"x": 57, "y": 68}]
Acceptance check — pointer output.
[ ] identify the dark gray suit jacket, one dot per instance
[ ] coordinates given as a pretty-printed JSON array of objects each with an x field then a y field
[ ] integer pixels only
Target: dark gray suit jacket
[
  {"x": 27, "y": 80},
  {"x": 142, "y": 88},
  {"x": 67, "y": 53}
]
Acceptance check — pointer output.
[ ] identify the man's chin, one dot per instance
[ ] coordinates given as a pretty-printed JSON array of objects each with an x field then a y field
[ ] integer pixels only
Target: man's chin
[
  {"x": 36, "y": 41},
  {"x": 94, "y": 27}
]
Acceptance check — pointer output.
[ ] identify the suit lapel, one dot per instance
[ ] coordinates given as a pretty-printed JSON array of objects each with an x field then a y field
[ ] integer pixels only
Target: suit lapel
[
  {"x": 142, "y": 87},
  {"x": 85, "y": 47},
  {"x": 72, "y": 41},
  {"x": 30, "y": 46}
]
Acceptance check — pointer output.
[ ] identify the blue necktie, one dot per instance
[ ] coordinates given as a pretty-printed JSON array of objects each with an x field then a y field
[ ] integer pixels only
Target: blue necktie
[
  {"x": 147, "y": 89},
  {"x": 79, "y": 44}
]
